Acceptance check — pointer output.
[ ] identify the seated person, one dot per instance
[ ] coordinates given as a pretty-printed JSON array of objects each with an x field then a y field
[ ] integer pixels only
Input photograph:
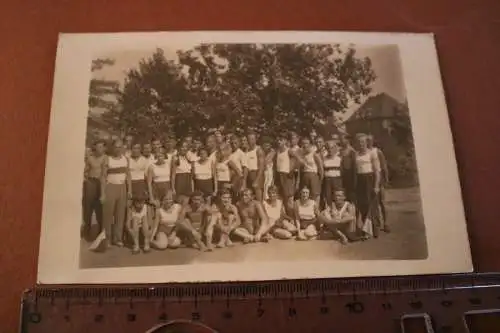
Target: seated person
[
  {"x": 224, "y": 218},
  {"x": 193, "y": 219},
  {"x": 137, "y": 221},
  {"x": 252, "y": 217},
  {"x": 306, "y": 216},
  {"x": 164, "y": 228},
  {"x": 278, "y": 222},
  {"x": 340, "y": 217}
]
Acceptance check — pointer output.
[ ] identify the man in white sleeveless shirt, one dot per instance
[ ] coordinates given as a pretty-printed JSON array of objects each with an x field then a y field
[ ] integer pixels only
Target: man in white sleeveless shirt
[
  {"x": 115, "y": 190},
  {"x": 256, "y": 164}
]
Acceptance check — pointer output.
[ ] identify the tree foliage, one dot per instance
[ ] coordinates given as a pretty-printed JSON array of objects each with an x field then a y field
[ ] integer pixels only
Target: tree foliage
[
  {"x": 100, "y": 88},
  {"x": 268, "y": 88}
]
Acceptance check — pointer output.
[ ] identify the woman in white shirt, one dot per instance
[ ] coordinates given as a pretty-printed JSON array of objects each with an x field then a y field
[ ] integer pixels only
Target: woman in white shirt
[
  {"x": 279, "y": 224},
  {"x": 164, "y": 234},
  {"x": 158, "y": 177},
  {"x": 181, "y": 178},
  {"x": 306, "y": 216},
  {"x": 138, "y": 166},
  {"x": 204, "y": 176}
]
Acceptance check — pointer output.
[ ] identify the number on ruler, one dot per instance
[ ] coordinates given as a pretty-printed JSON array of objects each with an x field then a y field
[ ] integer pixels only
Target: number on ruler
[
  {"x": 227, "y": 314},
  {"x": 324, "y": 310},
  {"x": 195, "y": 316},
  {"x": 260, "y": 312},
  {"x": 131, "y": 317},
  {"x": 355, "y": 307},
  {"x": 98, "y": 318},
  {"x": 292, "y": 312},
  {"x": 163, "y": 317}
]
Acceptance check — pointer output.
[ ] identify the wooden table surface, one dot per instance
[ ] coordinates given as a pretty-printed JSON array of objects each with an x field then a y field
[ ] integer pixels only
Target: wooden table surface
[{"x": 468, "y": 40}]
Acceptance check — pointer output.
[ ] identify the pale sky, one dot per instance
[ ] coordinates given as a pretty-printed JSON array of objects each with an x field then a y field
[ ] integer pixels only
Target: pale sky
[{"x": 385, "y": 61}]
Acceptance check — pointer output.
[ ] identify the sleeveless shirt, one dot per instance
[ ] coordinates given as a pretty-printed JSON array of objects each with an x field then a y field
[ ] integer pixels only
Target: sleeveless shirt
[
  {"x": 161, "y": 172},
  {"x": 332, "y": 166},
  {"x": 283, "y": 161},
  {"x": 203, "y": 171},
  {"x": 169, "y": 216},
  {"x": 223, "y": 172},
  {"x": 252, "y": 162},
  {"x": 273, "y": 212},
  {"x": 306, "y": 212},
  {"x": 117, "y": 170},
  {"x": 184, "y": 166},
  {"x": 138, "y": 167},
  {"x": 310, "y": 165}
]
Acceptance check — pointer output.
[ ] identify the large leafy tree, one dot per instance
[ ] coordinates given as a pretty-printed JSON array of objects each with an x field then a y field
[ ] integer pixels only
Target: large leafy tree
[{"x": 268, "y": 88}]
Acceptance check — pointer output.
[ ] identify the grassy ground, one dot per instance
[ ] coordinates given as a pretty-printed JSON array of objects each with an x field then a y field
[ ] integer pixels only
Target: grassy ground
[{"x": 406, "y": 241}]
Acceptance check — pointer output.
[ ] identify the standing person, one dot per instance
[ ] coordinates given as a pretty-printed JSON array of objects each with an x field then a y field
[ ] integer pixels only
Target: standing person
[
  {"x": 138, "y": 166},
  {"x": 192, "y": 154},
  {"x": 269, "y": 156},
  {"x": 211, "y": 146},
  {"x": 170, "y": 150},
  {"x": 384, "y": 179},
  {"x": 147, "y": 152},
  {"x": 193, "y": 220},
  {"x": 115, "y": 190},
  {"x": 320, "y": 147},
  {"x": 285, "y": 172},
  {"x": 156, "y": 146},
  {"x": 181, "y": 177},
  {"x": 340, "y": 217},
  {"x": 367, "y": 183},
  {"x": 164, "y": 234},
  {"x": 137, "y": 222},
  {"x": 204, "y": 175},
  {"x": 219, "y": 138},
  {"x": 238, "y": 157},
  {"x": 333, "y": 179},
  {"x": 296, "y": 150},
  {"x": 226, "y": 171},
  {"x": 256, "y": 165},
  {"x": 312, "y": 171},
  {"x": 244, "y": 144},
  {"x": 129, "y": 139},
  {"x": 253, "y": 218},
  {"x": 92, "y": 187},
  {"x": 279, "y": 223},
  {"x": 348, "y": 168},
  {"x": 306, "y": 216},
  {"x": 158, "y": 178},
  {"x": 225, "y": 218}
]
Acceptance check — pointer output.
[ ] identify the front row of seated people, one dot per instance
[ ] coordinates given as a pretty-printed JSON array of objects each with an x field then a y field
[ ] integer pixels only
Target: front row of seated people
[{"x": 168, "y": 224}]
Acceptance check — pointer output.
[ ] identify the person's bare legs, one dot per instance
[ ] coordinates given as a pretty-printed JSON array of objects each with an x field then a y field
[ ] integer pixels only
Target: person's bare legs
[
  {"x": 146, "y": 234},
  {"x": 244, "y": 234},
  {"x": 281, "y": 233},
  {"x": 209, "y": 232}
]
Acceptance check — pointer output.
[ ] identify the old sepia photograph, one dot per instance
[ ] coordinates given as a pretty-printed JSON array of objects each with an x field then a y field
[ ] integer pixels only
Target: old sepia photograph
[{"x": 245, "y": 153}]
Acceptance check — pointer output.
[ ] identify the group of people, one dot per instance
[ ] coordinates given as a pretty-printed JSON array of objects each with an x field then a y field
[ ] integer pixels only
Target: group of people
[{"x": 165, "y": 193}]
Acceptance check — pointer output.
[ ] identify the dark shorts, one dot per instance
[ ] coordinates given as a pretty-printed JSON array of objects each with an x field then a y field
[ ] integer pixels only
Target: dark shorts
[
  {"x": 205, "y": 186},
  {"x": 311, "y": 181},
  {"x": 139, "y": 189},
  {"x": 183, "y": 184},
  {"x": 305, "y": 223},
  {"x": 160, "y": 189},
  {"x": 286, "y": 184},
  {"x": 251, "y": 177}
]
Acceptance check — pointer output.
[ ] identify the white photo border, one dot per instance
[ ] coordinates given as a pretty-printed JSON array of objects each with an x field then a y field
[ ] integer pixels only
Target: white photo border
[{"x": 444, "y": 217}]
